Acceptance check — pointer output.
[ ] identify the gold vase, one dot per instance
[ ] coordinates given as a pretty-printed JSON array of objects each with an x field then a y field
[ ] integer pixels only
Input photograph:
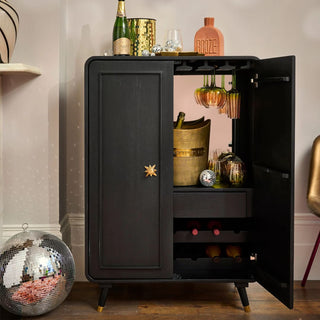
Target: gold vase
[{"x": 142, "y": 34}]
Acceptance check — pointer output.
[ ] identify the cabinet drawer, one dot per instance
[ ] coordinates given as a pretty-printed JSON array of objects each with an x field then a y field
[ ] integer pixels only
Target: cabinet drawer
[{"x": 212, "y": 204}]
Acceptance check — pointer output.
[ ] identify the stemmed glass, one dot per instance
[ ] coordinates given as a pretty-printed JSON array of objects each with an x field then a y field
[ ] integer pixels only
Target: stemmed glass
[
  {"x": 213, "y": 92},
  {"x": 233, "y": 100},
  {"x": 214, "y": 164},
  {"x": 223, "y": 109},
  {"x": 222, "y": 94},
  {"x": 207, "y": 94},
  {"x": 197, "y": 92},
  {"x": 211, "y": 96},
  {"x": 204, "y": 93}
]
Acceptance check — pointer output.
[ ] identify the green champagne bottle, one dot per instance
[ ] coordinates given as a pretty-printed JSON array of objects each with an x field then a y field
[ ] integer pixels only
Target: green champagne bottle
[
  {"x": 121, "y": 34},
  {"x": 180, "y": 120}
]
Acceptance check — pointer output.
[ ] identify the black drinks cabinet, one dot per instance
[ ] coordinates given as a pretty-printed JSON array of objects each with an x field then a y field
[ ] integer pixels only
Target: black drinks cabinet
[{"x": 136, "y": 225}]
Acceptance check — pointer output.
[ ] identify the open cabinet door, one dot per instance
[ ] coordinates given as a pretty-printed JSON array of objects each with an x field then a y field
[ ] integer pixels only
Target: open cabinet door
[{"x": 273, "y": 174}]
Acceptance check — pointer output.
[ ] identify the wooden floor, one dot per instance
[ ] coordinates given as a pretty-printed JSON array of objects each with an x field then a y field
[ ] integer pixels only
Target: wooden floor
[{"x": 183, "y": 301}]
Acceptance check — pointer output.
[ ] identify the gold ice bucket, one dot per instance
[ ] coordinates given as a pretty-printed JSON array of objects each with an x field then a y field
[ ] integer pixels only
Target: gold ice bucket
[
  {"x": 142, "y": 34},
  {"x": 190, "y": 153}
]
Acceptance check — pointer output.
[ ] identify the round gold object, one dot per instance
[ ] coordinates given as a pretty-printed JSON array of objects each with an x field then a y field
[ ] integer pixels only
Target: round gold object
[{"x": 142, "y": 34}]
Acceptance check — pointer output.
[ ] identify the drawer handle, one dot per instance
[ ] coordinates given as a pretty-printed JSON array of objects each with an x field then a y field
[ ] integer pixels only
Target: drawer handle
[{"x": 150, "y": 170}]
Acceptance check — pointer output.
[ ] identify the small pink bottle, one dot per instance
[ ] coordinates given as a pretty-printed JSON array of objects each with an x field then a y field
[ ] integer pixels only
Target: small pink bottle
[{"x": 209, "y": 40}]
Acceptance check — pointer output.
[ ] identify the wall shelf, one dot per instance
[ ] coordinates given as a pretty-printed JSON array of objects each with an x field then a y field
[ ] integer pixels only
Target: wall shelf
[{"x": 12, "y": 68}]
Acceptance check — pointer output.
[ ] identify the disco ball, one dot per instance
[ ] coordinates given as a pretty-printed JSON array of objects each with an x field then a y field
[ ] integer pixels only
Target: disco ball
[
  {"x": 207, "y": 178},
  {"x": 37, "y": 272}
]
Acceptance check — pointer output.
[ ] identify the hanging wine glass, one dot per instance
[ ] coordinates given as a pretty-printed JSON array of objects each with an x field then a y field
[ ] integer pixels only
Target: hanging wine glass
[
  {"x": 233, "y": 100},
  {"x": 217, "y": 95},
  {"x": 222, "y": 96},
  {"x": 224, "y": 108},
  {"x": 210, "y": 93},
  {"x": 204, "y": 93},
  {"x": 197, "y": 92}
]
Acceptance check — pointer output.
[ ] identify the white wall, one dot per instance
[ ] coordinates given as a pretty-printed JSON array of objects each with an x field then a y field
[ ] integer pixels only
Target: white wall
[
  {"x": 250, "y": 27},
  {"x": 30, "y": 122}
]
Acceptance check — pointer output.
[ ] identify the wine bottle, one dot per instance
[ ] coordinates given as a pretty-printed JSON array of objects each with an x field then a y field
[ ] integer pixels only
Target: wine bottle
[
  {"x": 180, "y": 120},
  {"x": 215, "y": 227},
  {"x": 213, "y": 252},
  {"x": 121, "y": 34},
  {"x": 234, "y": 252},
  {"x": 194, "y": 227}
]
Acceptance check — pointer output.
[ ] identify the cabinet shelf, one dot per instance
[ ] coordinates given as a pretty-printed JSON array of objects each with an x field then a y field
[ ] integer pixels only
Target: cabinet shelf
[
  {"x": 210, "y": 189},
  {"x": 18, "y": 68},
  {"x": 206, "y": 236}
]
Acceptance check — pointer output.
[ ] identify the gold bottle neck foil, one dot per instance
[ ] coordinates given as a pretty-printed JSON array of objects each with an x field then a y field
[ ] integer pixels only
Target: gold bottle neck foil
[{"x": 121, "y": 12}]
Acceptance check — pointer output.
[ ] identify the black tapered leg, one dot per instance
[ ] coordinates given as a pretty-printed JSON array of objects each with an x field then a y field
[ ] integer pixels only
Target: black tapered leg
[
  {"x": 241, "y": 286},
  {"x": 103, "y": 297}
]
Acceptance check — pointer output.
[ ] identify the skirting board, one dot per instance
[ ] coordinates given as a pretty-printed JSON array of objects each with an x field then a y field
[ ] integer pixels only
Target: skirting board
[
  {"x": 72, "y": 229},
  {"x": 307, "y": 227}
]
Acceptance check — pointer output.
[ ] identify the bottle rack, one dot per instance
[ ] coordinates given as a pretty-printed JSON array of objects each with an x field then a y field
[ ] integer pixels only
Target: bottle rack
[
  {"x": 205, "y": 268},
  {"x": 232, "y": 230},
  {"x": 191, "y": 260}
]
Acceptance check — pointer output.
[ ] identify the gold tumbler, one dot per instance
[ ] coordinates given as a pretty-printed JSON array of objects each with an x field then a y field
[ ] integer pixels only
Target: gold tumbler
[{"x": 142, "y": 34}]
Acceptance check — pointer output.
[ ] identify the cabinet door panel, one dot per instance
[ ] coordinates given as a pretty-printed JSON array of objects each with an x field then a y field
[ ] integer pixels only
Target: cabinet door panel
[
  {"x": 129, "y": 127},
  {"x": 273, "y": 174}
]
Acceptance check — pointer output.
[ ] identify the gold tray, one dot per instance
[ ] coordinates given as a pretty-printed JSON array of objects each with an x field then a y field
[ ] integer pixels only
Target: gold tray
[{"x": 176, "y": 53}]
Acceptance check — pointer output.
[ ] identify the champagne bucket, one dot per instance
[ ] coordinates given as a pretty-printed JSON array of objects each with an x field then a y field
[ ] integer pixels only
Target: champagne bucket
[
  {"x": 190, "y": 153},
  {"x": 142, "y": 34}
]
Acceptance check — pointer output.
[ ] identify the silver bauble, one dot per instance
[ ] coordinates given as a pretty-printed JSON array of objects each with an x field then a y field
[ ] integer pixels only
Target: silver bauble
[
  {"x": 37, "y": 272},
  {"x": 157, "y": 48},
  {"x": 207, "y": 178}
]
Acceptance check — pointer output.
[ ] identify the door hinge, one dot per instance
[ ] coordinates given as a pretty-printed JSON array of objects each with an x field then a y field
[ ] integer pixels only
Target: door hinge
[
  {"x": 254, "y": 80},
  {"x": 285, "y": 176}
]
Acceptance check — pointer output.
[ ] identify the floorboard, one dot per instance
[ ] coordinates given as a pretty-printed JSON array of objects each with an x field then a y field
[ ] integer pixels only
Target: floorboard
[{"x": 183, "y": 301}]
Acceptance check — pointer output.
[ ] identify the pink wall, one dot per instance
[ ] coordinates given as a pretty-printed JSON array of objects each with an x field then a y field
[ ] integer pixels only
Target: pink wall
[{"x": 221, "y": 131}]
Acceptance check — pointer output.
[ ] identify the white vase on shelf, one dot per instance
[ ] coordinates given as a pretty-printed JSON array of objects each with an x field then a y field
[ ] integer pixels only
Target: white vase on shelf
[{"x": 9, "y": 23}]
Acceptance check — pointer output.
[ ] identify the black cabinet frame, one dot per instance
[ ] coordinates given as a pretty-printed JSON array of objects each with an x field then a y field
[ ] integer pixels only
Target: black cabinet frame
[{"x": 130, "y": 219}]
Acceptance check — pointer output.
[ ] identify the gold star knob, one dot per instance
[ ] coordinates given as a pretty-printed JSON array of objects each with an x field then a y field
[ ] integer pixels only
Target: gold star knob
[{"x": 150, "y": 170}]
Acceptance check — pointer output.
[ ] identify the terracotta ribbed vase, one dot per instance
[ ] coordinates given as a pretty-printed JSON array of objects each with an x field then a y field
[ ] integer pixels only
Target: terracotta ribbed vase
[
  {"x": 209, "y": 40},
  {"x": 9, "y": 22}
]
